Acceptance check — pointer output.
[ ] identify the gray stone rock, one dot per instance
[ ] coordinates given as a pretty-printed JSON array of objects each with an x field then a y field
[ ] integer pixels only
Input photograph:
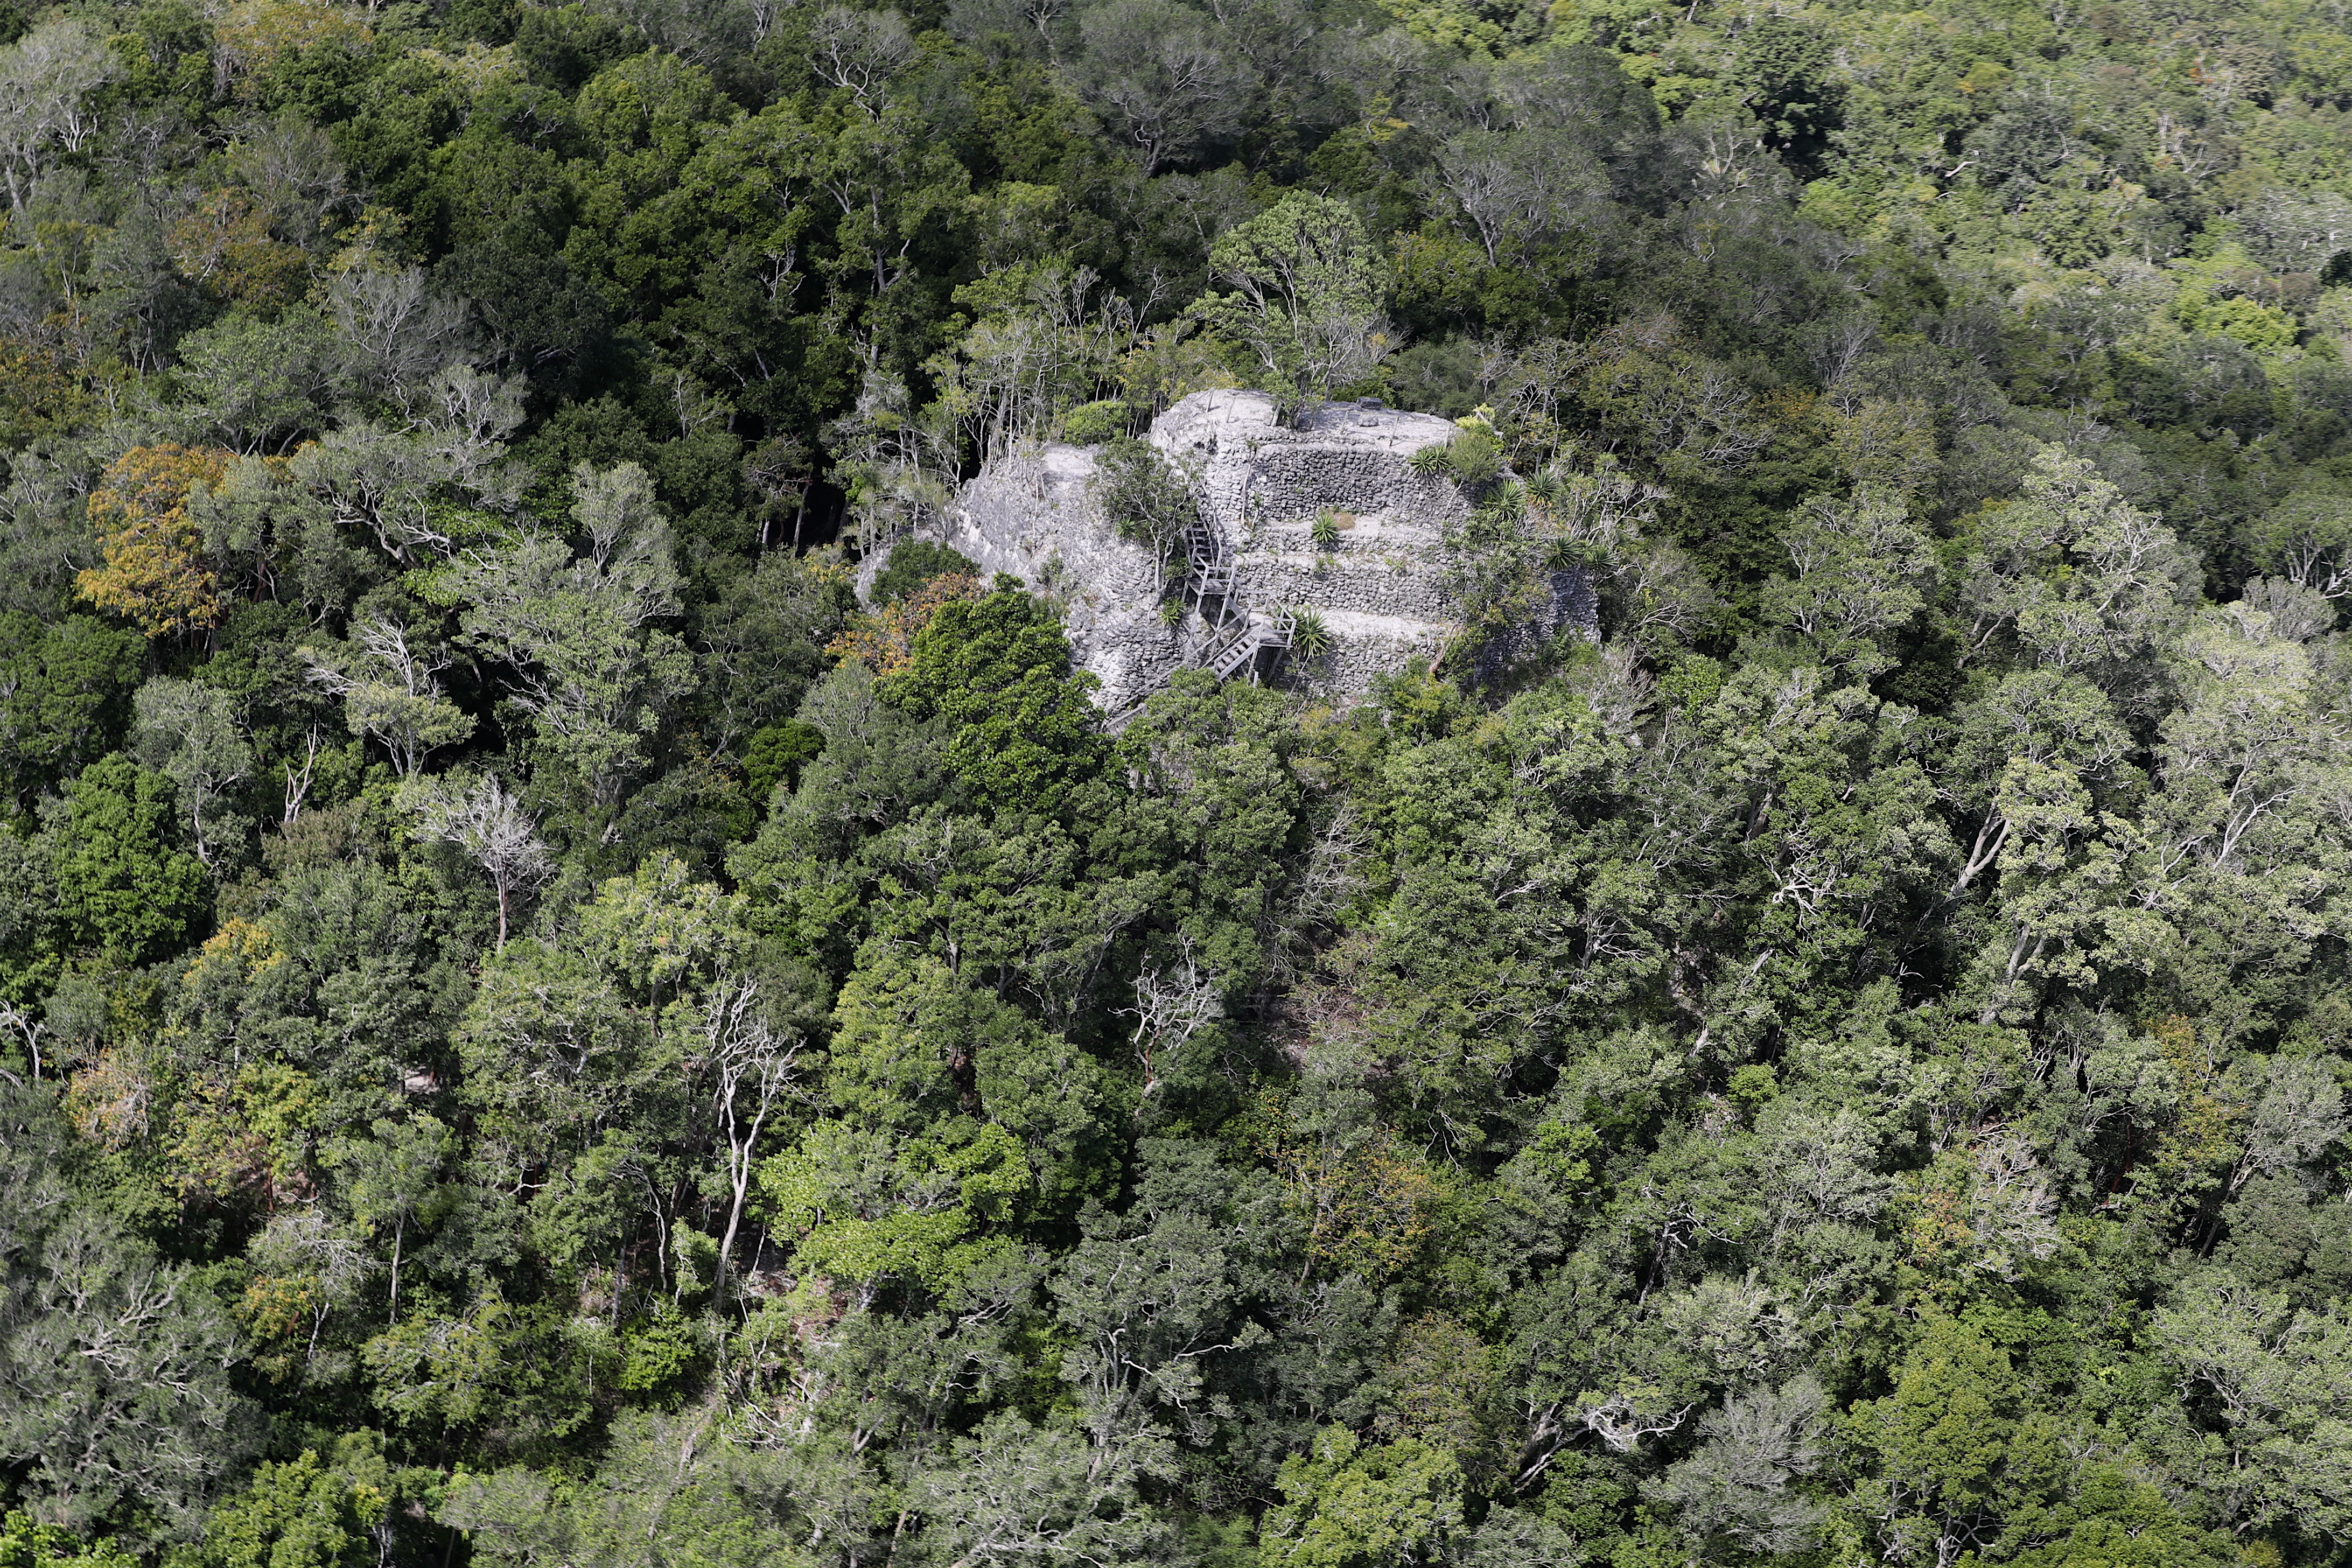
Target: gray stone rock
[{"x": 1380, "y": 590}]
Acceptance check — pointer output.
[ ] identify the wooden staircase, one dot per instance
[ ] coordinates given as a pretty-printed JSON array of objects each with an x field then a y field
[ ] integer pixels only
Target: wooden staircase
[
  {"x": 1237, "y": 633},
  {"x": 1237, "y": 646}
]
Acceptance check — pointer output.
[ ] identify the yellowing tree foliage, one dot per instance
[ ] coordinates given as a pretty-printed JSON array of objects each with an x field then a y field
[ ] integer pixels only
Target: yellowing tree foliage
[
  {"x": 884, "y": 638},
  {"x": 226, "y": 243},
  {"x": 153, "y": 574}
]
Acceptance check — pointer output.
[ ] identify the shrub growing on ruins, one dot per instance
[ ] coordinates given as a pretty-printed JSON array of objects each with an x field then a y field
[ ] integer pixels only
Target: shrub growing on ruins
[
  {"x": 1475, "y": 456},
  {"x": 1093, "y": 424},
  {"x": 914, "y": 564},
  {"x": 1144, "y": 495}
]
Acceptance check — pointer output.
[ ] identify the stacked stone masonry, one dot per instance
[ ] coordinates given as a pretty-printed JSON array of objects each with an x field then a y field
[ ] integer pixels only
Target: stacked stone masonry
[{"x": 1379, "y": 587}]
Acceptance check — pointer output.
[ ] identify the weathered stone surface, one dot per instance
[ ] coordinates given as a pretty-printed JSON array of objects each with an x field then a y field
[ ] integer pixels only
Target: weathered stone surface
[
  {"x": 1034, "y": 515},
  {"x": 1380, "y": 588},
  {"x": 1570, "y": 605}
]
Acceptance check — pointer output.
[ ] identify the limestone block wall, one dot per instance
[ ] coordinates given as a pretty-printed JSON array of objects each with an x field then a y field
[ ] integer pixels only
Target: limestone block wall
[
  {"x": 1249, "y": 468},
  {"x": 1370, "y": 571},
  {"x": 1365, "y": 646},
  {"x": 1380, "y": 587}
]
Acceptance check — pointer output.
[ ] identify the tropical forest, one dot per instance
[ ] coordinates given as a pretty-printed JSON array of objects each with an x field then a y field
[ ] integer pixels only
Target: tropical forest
[{"x": 581, "y": 986}]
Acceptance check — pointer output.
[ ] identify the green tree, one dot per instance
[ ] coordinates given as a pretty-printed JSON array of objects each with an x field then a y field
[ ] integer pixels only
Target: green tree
[
  {"x": 125, "y": 886},
  {"x": 997, "y": 670},
  {"x": 1958, "y": 1449},
  {"x": 2115, "y": 1520},
  {"x": 389, "y": 681},
  {"x": 482, "y": 818},
  {"x": 23, "y": 1543},
  {"x": 1306, "y": 288},
  {"x": 760, "y": 642},
  {"x": 255, "y": 384},
  {"x": 193, "y": 734},
  {"x": 1522, "y": 190},
  {"x": 2077, "y": 578},
  {"x": 1742, "y": 1488},
  {"x": 664, "y": 1491},
  {"x": 1345, "y": 1506},
  {"x": 62, "y": 697},
  {"x": 1862, "y": 566},
  {"x": 2276, "y": 1378},
  {"x": 115, "y": 1396},
  {"x": 2307, "y": 537},
  {"x": 392, "y": 1176},
  {"x": 1015, "y": 1489},
  {"x": 576, "y": 629},
  {"x": 1788, "y": 72},
  {"x": 48, "y": 74},
  {"x": 588, "y": 1064},
  {"x": 305, "y": 1513},
  {"x": 1159, "y": 72},
  {"x": 952, "y": 1111}
]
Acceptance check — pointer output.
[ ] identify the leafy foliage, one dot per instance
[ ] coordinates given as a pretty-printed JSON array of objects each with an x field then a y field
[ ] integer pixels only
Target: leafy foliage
[
  {"x": 153, "y": 574},
  {"x": 539, "y": 1027}
]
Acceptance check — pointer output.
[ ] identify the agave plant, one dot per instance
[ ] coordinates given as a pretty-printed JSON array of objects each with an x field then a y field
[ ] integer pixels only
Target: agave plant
[{"x": 1310, "y": 634}]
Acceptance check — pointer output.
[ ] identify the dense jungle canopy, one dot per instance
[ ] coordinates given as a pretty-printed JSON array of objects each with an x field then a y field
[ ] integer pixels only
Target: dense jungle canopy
[{"x": 542, "y": 1026}]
